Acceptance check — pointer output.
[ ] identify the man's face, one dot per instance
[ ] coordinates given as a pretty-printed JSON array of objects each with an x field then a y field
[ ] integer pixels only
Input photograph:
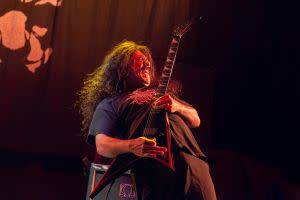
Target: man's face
[{"x": 141, "y": 68}]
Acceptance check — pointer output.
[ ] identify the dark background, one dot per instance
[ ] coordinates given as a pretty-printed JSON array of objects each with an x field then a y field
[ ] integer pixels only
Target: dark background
[{"x": 237, "y": 65}]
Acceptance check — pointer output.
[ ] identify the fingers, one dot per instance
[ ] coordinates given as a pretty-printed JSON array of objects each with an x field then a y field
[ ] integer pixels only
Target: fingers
[
  {"x": 165, "y": 98},
  {"x": 149, "y": 142},
  {"x": 155, "y": 148},
  {"x": 154, "y": 151},
  {"x": 146, "y": 147},
  {"x": 150, "y": 155},
  {"x": 165, "y": 101}
]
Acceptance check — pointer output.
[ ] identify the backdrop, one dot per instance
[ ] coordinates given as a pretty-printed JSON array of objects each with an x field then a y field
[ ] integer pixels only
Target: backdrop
[
  {"x": 47, "y": 48},
  {"x": 238, "y": 67}
]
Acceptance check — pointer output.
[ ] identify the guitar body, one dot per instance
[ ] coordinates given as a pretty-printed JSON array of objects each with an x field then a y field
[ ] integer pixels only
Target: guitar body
[{"x": 157, "y": 129}]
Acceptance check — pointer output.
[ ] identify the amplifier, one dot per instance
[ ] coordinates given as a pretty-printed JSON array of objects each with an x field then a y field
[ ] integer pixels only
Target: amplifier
[{"x": 122, "y": 188}]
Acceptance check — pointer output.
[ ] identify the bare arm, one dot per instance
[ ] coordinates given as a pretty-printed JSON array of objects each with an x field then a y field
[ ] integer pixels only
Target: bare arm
[
  {"x": 111, "y": 147},
  {"x": 187, "y": 112}
]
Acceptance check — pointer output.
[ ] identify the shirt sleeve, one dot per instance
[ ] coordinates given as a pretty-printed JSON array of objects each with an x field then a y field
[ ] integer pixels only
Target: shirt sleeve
[{"x": 104, "y": 120}]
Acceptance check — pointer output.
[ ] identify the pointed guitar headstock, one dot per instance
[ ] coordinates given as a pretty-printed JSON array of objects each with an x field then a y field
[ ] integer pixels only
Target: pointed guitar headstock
[{"x": 181, "y": 30}]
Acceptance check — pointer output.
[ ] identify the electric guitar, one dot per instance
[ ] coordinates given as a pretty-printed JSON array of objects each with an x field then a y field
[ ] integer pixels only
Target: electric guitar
[{"x": 156, "y": 126}]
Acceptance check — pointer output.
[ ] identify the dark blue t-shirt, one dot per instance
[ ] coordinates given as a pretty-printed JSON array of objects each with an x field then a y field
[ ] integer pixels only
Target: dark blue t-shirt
[
  {"x": 105, "y": 119},
  {"x": 119, "y": 116}
]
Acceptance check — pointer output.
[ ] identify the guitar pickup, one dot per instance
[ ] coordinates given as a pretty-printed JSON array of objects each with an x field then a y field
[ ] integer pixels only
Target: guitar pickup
[{"x": 150, "y": 131}]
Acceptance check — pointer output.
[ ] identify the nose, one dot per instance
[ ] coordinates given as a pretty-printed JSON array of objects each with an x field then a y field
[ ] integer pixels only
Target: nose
[{"x": 146, "y": 64}]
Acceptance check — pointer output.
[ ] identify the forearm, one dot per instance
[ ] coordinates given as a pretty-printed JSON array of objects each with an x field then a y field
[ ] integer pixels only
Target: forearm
[
  {"x": 189, "y": 115},
  {"x": 175, "y": 105},
  {"x": 110, "y": 147}
]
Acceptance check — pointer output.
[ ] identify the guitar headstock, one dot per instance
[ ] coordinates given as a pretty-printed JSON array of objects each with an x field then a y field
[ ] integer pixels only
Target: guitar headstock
[{"x": 181, "y": 30}]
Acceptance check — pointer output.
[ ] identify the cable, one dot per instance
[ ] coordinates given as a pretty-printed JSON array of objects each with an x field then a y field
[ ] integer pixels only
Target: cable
[{"x": 108, "y": 191}]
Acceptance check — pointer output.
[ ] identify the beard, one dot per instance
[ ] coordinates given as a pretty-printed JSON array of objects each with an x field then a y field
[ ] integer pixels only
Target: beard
[{"x": 144, "y": 77}]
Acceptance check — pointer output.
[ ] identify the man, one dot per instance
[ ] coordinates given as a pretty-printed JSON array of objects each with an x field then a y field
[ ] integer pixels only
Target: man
[{"x": 114, "y": 103}]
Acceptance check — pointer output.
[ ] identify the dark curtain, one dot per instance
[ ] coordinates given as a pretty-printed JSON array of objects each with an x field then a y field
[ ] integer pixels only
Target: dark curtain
[
  {"x": 247, "y": 48},
  {"x": 47, "y": 48}
]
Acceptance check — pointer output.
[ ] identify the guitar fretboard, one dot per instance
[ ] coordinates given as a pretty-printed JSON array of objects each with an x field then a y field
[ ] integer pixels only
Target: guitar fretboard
[
  {"x": 168, "y": 68},
  {"x": 166, "y": 74}
]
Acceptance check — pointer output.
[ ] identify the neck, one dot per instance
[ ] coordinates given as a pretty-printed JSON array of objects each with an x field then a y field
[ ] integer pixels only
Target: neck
[{"x": 134, "y": 85}]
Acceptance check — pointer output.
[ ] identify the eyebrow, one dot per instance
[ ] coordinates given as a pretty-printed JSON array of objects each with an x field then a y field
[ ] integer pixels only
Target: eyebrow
[{"x": 140, "y": 56}]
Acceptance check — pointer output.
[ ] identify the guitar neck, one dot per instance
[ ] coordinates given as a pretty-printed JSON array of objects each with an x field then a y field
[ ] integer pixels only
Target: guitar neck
[
  {"x": 168, "y": 68},
  {"x": 166, "y": 73}
]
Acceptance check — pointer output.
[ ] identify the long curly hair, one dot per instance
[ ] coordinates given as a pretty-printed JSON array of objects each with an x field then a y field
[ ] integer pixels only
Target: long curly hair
[{"x": 109, "y": 79}]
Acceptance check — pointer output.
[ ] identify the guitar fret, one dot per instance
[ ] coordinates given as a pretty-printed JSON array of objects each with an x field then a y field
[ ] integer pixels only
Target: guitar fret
[
  {"x": 175, "y": 40},
  {"x": 164, "y": 78},
  {"x": 163, "y": 81},
  {"x": 174, "y": 45},
  {"x": 162, "y": 87},
  {"x": 169, "y": 63},
  {"x": 169, "y": 60},
  {"x": 167, "y": 69},
  {"x": 171, "y": 55},
  {"x": 173, "y": 49}
]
